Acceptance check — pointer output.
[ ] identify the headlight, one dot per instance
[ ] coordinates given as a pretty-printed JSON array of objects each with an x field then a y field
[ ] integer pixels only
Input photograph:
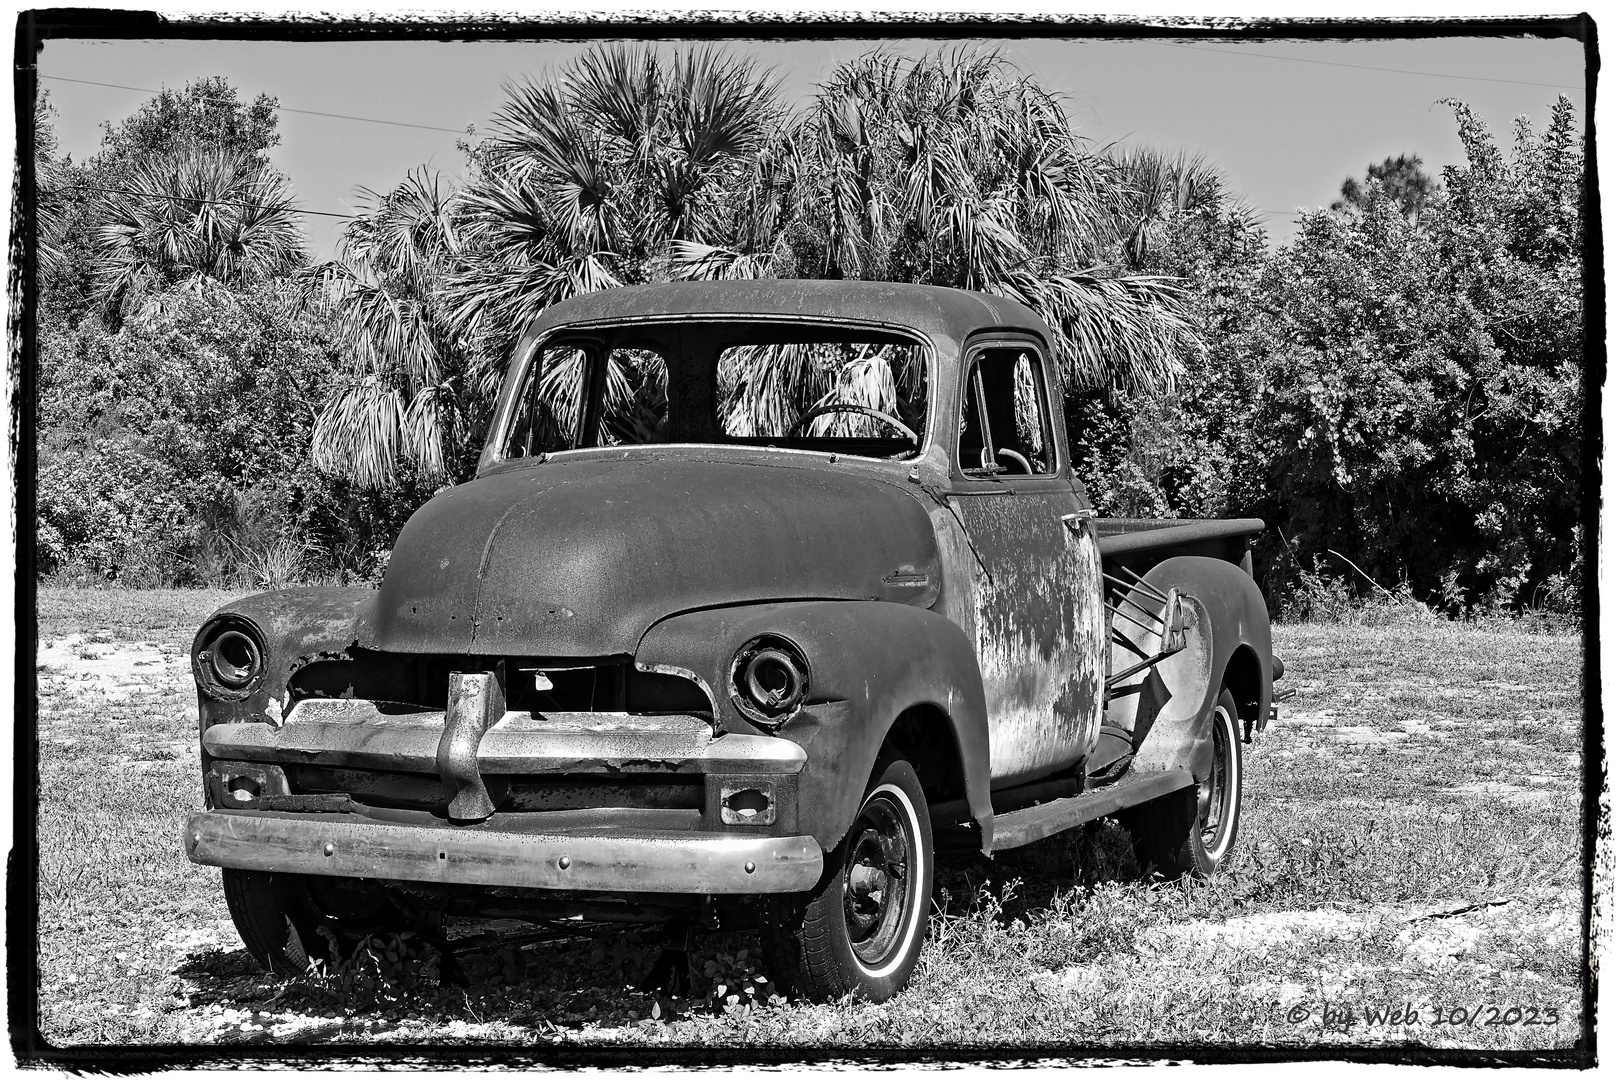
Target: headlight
[
  {"x": 769, "y": 680},
  {"x": 228, "y": 658}
]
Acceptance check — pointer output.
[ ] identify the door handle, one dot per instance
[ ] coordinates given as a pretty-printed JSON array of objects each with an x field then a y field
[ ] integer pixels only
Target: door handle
[{"x": 1076, "y": 521}]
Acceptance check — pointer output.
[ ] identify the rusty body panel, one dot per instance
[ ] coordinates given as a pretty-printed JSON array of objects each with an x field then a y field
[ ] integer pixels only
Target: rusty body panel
[
  {"x": 1167, "y": 708},
  {"x": 298, "y": 627},
  {"x": 1039, "y": 627},
  {"x": 551, "y": 668}
]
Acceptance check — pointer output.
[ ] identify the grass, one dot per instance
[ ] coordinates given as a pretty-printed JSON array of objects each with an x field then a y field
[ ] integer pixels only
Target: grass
[
  {"x": 1410, "y": 838},
  {"x": 168, "y": 616}
]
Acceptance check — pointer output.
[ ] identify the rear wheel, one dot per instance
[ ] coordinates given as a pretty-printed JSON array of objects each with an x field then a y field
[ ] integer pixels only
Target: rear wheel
[
  {"x": 861, "y": 929},
  {"x": 1192, "y": 831},
  {"x": 287, "y": 920}
]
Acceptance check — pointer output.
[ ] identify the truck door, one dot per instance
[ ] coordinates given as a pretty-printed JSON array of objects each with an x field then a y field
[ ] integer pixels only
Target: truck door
[{"x": 1038, "y": 607}]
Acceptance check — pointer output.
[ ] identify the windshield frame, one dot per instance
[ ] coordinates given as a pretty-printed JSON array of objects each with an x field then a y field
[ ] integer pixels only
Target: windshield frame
[{"x": 595, "y": 332}]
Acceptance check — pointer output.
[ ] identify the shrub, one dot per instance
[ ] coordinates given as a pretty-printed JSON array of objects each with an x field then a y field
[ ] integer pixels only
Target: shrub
[
  {"x": 114, "y": 516},
  {"x": 1401, "y": 384},
  {"x": 176, "y": 450},
  {"x": 1423, "y": 393}
]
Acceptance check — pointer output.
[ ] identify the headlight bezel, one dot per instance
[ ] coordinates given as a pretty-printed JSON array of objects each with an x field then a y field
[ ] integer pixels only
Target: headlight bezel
[
  {"x": 228, "y": 658},
  {"x": 769, "y": 680}
]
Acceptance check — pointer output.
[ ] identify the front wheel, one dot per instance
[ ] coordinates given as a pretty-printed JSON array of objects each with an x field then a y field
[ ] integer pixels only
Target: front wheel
[
  {"x": 1192, "y": 831},
  {"x": 288, "y": 920},
  {"x": 861, "y": 929}
]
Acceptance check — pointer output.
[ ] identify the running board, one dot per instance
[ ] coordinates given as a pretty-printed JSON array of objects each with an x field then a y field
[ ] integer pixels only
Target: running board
[{"x": 1020, "y": 827}]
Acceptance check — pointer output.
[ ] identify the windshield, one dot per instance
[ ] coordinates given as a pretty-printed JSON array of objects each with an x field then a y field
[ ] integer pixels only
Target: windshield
[{"x": 827, "y": 390}]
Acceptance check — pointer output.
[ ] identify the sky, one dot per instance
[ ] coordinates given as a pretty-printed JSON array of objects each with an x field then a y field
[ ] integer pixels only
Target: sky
[{"x": 1286, "y": 121}]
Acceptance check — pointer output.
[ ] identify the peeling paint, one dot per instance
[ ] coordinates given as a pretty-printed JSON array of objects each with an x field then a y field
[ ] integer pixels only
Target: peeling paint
[{"x": 1039, "y": 628}]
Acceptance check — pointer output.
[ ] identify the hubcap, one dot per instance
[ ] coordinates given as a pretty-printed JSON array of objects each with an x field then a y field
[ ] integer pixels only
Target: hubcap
[{"x": 875, "y": 874}]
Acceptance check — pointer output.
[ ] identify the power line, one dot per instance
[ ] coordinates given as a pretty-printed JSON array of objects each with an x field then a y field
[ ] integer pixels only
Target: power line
[
  {"x": 189, "y": 199},
  {"x": 1365, "y": 67},
  {"x": 328, "y": 213},
  {"x": 279, "y": 108}
]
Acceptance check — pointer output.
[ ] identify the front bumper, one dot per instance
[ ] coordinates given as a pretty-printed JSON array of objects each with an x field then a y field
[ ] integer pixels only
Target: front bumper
[{"x": 592, "y": 861}]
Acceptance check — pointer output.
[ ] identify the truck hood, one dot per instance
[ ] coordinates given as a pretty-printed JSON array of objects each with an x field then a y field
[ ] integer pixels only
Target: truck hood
[{"x": 579, "y": 558}]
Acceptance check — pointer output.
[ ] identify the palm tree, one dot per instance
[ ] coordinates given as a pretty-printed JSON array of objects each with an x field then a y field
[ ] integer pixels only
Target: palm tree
[
  {"x": 593, "y": 175},
  {"x": 634, "y": 165},
  {"x": 416, "y": 389},
  {"x": 954, "y": 169},
  {"x": 1151, "y": 193},
  {"x": 50, "y": 177},
  {"x": 192, "y": 214}
]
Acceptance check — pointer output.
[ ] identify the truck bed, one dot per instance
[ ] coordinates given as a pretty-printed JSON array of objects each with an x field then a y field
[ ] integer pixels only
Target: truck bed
[{"x": 1120, "y": 539}]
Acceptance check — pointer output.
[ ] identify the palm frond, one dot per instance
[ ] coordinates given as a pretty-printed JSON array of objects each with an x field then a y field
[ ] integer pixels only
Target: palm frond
[
  {"x": 358, "y": 433},
  {"x": 1129, "y": 331},
  {"x": 724, "y": 108},
  {"x": 692, "y": 261},
  {"x": 765, "y": 388},
  {"x": 211, "y": 212},
  {"x": 409, "y": 391},
  {"x": 868, "y": 381}
]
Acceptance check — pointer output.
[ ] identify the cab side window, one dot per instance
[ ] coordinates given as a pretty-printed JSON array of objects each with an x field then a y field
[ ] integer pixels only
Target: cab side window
[
  {"x": 548, "y": 408},
  {"x": 1006, "y": 425}
]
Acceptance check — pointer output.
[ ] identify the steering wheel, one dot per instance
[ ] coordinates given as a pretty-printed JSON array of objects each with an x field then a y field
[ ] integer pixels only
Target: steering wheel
[
  {"x": 1016, "y": 456},
  {"x": 846, "y": 406}
]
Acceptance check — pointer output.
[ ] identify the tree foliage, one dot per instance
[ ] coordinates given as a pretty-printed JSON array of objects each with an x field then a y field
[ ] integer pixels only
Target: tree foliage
[
  {"x": 594, "y": 174},
  {"x": 1400, "y": 385},
  {"x": 77, "y": 200},
  {"x": 1416, "y": 388},
  {"x": 1179, "y": 450},
  {"x": 956, "y": 169},
  {"x": 191, "y": 214},
  {"x": 414, "y": 388},
  {"x": 1399, "y": 179},
  {"x": 208, "y": 113},
  {"x": 636, "y": 165},
  {"x": 174, "y": 445},
  {"x": 1153, "y": 198},
  {"x": 170, "y": 422}
]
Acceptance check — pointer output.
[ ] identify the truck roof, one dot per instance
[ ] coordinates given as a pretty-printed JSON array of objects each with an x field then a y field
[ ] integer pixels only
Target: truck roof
[{"x": 935, "y": 311}]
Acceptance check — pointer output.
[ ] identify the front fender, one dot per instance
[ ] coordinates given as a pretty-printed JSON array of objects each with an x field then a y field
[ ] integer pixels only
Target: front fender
[
  {"x": 870, "y": 661},
  {"x": 295, "y": 626},
  {"x": 1170, "y": 716}
]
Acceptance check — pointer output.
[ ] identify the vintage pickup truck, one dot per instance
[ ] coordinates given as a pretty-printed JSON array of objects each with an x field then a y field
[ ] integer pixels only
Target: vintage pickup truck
[{"x": 763, "y": 591}]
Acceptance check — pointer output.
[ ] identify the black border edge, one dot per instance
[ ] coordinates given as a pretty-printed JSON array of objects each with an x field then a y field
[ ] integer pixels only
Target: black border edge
[{"x": 38, "y": 26}]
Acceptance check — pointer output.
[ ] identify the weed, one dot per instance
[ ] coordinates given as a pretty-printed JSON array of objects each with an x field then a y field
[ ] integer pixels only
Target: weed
[
  {"x": 274, "y": 564},
  {"x": 383, "y": 973},
  {"x": 736, "y": 981}
]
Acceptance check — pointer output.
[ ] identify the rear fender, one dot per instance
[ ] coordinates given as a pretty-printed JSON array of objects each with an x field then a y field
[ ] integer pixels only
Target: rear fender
[
  {"x": 869, "y": 662},
  {"x": 1228, "y": 625}
]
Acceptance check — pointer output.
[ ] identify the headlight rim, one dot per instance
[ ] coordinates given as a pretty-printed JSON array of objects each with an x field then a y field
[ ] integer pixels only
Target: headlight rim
[
  {"x": 205, "y": 663},
  {"x": 772, "y": 648}
]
